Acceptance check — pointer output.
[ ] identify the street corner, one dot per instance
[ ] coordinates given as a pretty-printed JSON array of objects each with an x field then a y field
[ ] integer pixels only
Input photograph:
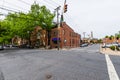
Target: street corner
[{"x": 109, "y": 51}]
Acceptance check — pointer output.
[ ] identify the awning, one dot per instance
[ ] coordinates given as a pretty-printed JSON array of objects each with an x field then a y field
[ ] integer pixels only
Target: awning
[{"x": 55, "y": 39}]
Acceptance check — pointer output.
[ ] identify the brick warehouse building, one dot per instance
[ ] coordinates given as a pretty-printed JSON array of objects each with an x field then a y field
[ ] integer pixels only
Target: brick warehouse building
[{"x": 68, "y": 38}]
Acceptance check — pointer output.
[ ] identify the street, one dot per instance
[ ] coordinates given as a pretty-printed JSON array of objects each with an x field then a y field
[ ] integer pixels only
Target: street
[{"x": 85, "y": 63}]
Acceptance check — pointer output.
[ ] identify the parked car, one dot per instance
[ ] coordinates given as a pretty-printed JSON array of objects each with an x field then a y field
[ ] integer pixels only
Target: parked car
[
  {"x": 106, "y": 45},
  {"x": 84, "y": 45},
  {"x": 115, "y": 44},
  {"x": 119, "y": 45},
  {"x": 1, "y": 47},
  {"x": 26, "y": 46}
]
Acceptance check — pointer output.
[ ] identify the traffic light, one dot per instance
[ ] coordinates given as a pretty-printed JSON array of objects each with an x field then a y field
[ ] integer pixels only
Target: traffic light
[{"x": 65, "y": 8}]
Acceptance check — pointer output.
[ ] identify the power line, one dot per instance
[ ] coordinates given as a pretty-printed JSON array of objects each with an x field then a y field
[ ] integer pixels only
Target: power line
[
  {"x": 2, "y": 6},
  {"x": 46, "y": 5},
  {"x": 19, "y": 17},
  {"x": 24, "y": 2},
  {"x": 55, "y": 2},
  {"x": 8, "y": 9},
  {"x": 51, "y": 6},
  {"x": 73, "y": 23},
  {"x": 3, "y": 14},
  {"x": 15, "y": 5},
  {"x": 51, "y": 3}
]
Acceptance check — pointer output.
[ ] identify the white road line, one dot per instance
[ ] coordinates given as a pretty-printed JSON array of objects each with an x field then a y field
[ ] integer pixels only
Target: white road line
[{"x": 111, "y": 70}]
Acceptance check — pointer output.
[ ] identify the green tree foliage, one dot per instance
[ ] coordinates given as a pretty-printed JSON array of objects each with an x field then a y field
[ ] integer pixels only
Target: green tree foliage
[
  {"x": 5, "y": 34},
  {"x": 111, "y": 37},
  {"x": 99, "y": 41},
  {"x": 20, "y": 23},
  {"x": 117, "y": 36},
  {"x": 42, "y": 17},
  {"x": 106, "y": 36}
]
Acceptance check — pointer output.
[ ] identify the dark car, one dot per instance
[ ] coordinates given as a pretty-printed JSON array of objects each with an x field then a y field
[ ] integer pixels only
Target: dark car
[
  {"x": 26, "y": 46},
  {"x": 84, "y": 45},
  {"x": 1, "y": 47}
]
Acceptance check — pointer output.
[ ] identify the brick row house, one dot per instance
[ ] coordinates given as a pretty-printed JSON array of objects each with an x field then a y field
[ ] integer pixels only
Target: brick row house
[
  {"x": 38, "y": 37},
  {"x": 113, "y": 40},
  {"x": 67, "y": 37}
]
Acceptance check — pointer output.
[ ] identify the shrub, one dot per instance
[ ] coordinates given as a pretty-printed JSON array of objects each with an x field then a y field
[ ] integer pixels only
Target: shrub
[
  {"x": 112, "y": 47},
  {"x": 117, "y": 48}
]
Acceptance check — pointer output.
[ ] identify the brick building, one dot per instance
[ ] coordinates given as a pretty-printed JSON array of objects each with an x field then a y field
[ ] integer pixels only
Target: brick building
[
  {"x": 38, "y": 37},
  {"x": 67, "y": 37},
  {"x": 113, "y": 40}
]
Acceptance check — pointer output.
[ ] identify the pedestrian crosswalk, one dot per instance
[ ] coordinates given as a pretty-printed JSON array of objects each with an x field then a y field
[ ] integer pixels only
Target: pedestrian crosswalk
[{"x": 111, "y": 69}]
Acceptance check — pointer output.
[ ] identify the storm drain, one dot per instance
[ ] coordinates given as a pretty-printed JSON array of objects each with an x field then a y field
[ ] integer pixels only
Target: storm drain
[{"x": 48, "y": 76}]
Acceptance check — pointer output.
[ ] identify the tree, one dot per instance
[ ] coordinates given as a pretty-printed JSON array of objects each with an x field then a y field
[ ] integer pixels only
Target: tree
[
  {"x": 117, "y": 36},
  {"x": 99, "y": 41},
  {"x": 106, "y": 36},
  {"x": 42, "y": 17},
  {"x": 5, "y": 31},
  {"x": 20, "y": 23},
  {"x": 111, "y": 37}
]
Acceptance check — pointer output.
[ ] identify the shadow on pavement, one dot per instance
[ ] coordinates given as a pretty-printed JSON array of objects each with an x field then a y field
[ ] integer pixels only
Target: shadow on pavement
[{"x": 1, "y": 75}]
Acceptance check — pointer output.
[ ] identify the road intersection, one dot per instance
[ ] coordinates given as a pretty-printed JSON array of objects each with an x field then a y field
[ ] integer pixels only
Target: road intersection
[{"x": 74, "y": 64}]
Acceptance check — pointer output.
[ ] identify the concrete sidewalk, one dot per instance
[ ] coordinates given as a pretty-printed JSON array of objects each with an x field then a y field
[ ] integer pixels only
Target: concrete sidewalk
[{"x": 109, "y": 51}]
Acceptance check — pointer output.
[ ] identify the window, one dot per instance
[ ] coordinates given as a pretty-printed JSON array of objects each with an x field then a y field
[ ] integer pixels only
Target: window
[
  {"x": 55, "y": 33},
  {"x": 63, "y": 32}
]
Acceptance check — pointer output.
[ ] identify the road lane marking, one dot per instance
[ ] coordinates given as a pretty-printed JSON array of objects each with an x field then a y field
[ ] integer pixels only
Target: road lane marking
[{"x": 111, "y": 69}]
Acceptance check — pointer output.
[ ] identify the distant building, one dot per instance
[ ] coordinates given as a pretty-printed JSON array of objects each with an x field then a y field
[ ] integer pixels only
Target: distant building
[
  {"x": 85, "y": 40},
  {"x": 111, "y": 40},
  {"x": 67, "y": 37},
  {"x": 94, "y": 40}
]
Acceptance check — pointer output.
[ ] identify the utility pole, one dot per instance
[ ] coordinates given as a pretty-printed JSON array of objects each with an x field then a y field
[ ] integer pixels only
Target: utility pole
[
  {"x": 84, "y": 34},
  {"x": 57, "y": 10},
  {"x": 84, "y": 37}
]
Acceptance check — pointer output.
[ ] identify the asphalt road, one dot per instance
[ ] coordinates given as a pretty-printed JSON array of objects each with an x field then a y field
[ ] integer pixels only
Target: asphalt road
[
  {"x": 75, "y": 64},
  {"x": 116, "y": 63}
]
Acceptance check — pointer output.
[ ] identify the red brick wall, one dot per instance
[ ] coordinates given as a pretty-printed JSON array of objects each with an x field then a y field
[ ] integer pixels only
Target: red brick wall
[
  {"x": 68, "y": 38},
  {"x": 33, "y": 36}
]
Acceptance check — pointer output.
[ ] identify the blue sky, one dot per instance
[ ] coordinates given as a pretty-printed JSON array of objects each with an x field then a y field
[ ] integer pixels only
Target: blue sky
[{"x": 100, "y": 16}]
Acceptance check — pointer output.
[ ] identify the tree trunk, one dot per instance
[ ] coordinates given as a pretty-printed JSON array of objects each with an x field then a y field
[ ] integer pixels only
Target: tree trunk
[{"x": 48, "y": 36}]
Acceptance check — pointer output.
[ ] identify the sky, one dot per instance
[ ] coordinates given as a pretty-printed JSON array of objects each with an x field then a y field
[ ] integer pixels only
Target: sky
[{"x": 102, "y": 17}]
